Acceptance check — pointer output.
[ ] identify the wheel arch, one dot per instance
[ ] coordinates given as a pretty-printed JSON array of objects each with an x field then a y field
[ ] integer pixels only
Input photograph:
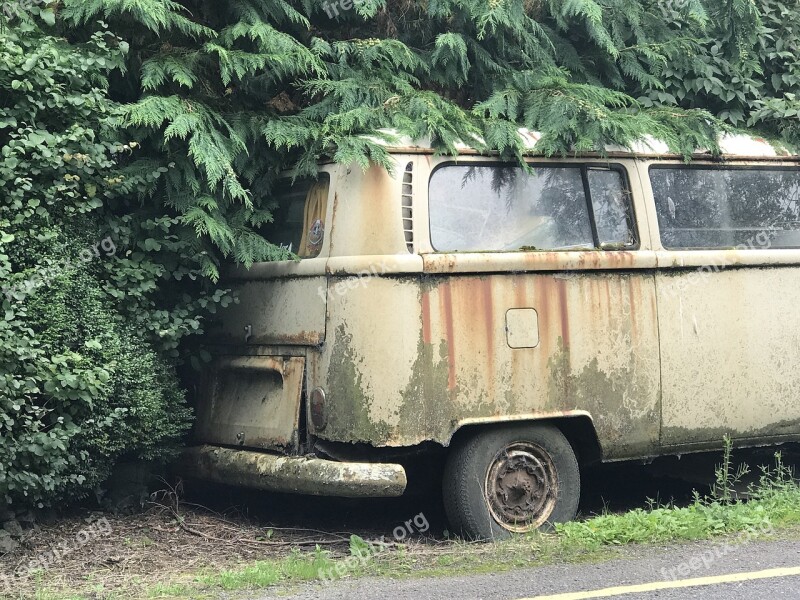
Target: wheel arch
[{"x": 577, "y": 426}]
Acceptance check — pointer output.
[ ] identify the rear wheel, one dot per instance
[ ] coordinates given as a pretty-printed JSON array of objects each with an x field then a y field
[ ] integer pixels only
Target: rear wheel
[{"x": 508, "y": 480}]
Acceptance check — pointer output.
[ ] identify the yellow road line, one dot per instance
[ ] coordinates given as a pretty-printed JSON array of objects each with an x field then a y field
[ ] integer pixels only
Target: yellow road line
[{"x": 669, "y": 585}]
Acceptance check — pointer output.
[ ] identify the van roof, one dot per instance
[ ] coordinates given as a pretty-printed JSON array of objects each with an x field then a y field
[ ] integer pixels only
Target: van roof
[{"x": 733, "y": 145}]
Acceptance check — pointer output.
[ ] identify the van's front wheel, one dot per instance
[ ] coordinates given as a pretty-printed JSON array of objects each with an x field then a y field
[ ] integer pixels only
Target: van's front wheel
[{"x": 510, "y": 480}]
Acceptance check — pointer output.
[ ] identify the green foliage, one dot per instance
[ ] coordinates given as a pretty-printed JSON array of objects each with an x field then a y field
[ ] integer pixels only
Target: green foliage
[
  {"x": 246, "y": 88},
  {"x": 359, "y": 547},
  {"x": 82, "y": 384},
  {"x": 194, "y": 106},
  {"x": 259, "y": 85},
  {"x": 743, "y": 68}
]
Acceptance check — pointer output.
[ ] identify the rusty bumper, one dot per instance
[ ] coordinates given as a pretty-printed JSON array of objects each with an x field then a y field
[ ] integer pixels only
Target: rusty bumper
[{"x": 293, "y": 474}]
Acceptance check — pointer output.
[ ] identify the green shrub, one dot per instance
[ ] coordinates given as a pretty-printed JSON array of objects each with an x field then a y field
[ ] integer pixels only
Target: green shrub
[{"x": 82, "y": 385}]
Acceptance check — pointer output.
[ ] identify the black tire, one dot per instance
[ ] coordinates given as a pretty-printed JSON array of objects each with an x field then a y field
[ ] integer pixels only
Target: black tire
[{"x": 514, "y": 461}]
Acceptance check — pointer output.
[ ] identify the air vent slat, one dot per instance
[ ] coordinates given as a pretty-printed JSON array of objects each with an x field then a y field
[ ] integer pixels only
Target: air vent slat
[{"x": 407, "y": 202}]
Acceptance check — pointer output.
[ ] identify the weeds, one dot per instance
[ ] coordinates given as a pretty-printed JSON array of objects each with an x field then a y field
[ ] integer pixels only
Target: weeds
[
  {"x": 773, "y": 501},
  {"x": 726, "y": 479}
]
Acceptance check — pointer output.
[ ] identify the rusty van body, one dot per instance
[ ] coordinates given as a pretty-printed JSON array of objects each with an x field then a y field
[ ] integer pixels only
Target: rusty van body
[{"x": 595, "y": 309}]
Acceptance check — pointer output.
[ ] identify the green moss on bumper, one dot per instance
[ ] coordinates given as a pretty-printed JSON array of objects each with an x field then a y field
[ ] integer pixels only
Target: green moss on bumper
[{"x": 293, "y": 474}]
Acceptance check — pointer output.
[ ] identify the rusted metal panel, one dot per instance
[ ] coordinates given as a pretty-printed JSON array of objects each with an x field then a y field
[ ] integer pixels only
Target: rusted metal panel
[
  {"x": 729, "y": 344},
  {"x": 411, "y": 359},
  {"x": 367, "y": 214},
  {"x": 370, "y": 265},
  {"x": 299, "y": 475},
  {"x": 279, "y": 311},
  {"x": 307, "y": 267},
  {"x": 252, "y": 401},
  {"x": 518, "y": 262}
]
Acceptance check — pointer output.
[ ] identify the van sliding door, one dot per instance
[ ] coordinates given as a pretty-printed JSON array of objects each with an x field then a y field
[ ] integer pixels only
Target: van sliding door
[{"x": 727, "y": 288}]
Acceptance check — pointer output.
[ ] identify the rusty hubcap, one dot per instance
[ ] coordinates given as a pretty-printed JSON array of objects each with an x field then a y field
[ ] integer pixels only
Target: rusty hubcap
[{"x": 521, "y": 487}]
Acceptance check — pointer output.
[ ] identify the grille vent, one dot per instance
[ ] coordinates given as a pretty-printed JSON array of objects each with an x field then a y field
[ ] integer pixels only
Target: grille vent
[{"x": 408, "y": 214}]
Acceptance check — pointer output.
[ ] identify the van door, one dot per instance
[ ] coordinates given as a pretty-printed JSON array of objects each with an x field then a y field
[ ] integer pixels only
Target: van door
[{"x": 727, "y": 289}]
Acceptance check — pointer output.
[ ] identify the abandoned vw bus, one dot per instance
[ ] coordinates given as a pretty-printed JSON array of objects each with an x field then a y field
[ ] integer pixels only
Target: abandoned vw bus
[{"x": 519, "y": 323}]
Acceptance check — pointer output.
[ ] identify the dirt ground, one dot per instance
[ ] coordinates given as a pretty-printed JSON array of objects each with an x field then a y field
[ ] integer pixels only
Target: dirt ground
[
  {"x": 130, "y": 553},
  {"x": 204, "y": 529}
]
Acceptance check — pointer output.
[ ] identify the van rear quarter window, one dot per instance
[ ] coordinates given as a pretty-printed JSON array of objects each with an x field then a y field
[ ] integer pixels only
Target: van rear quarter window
[
  {"x": 298, "y": 212},
  {"x": 482, "y": 208},
  {"x": 726, "y": 207}
]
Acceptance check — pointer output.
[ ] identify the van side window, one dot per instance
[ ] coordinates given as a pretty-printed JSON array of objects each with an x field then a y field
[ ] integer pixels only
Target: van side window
[
  {"x": 494, "y": 208},
  {"x": 298, "y": 213},
  {"x": 611, "y": 204},
  {"x": 726, "y": 207}
]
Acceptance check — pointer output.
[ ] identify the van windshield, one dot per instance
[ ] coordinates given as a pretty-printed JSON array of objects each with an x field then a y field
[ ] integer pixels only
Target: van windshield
[{"x": 299, "y": 210}]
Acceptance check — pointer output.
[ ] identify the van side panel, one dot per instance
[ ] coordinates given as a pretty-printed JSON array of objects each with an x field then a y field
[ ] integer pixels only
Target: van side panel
[
  {"x": 288, "y": 311},
  {"x": 729, "y": 342},
  {"x": 367, "y": 215},
  {"x": 728, "y": 316},
  {"x": 410, "y": 359}
]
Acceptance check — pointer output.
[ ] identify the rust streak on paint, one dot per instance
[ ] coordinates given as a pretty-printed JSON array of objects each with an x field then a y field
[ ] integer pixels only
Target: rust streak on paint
[
  {"x": 541, "y": 294},
  {"x": 607, "y": 298},
  {"x": 520, "y": 295},
  {"x": 333, "y": 222},
  {"x": 447, "y": 309}
]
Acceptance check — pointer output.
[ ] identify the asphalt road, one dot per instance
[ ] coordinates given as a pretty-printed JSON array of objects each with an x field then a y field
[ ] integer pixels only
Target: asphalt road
[{"x": 709, "y": 570}]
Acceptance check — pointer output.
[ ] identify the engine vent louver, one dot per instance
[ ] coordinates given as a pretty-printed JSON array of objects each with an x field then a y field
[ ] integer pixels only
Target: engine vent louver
[{"x": 408, "y": 214}]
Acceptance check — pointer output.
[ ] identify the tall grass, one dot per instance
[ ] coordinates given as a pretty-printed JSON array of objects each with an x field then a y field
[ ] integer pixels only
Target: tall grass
[{"x": 773, "y": 501}]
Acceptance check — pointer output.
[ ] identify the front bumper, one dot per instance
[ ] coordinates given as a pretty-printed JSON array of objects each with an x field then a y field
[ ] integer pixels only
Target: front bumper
[{"x": 293, "y": 474}]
